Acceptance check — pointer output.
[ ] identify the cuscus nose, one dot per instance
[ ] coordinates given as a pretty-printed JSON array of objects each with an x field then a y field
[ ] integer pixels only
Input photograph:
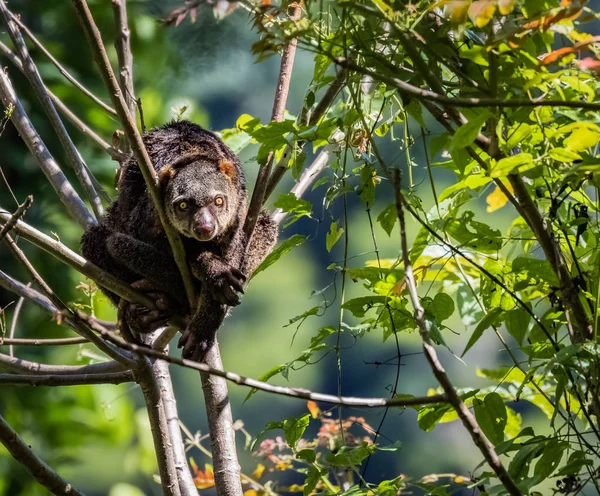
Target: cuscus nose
[{"x": 204, "y": 228}]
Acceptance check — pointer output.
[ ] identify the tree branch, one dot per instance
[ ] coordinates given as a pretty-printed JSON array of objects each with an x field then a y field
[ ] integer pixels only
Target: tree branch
[
  {"x": 124, "y": 56},
  {"x": 31, "y": 72},
  {"x": 18, "y": 365},
  {"x": 19, "y": 212},
  {"x": 69, "y": 257},
  {"x": 68, "y": 196},
  {"x": 60, "y": 68},
  {"x": 279, "y": 104},
  {"x": 41, "y": 342},
  {"x": 484, "y": 445},
  {"x": 76, "y": 121},
  {"x": 301, "y": 393},
  {"x": 50, "y": 380},
  {"x": 135, "y": 140},
  {"x": 160, "y": 430},
  {"x": 427, "y": 95},
  {"x": 21, "y": 452}
]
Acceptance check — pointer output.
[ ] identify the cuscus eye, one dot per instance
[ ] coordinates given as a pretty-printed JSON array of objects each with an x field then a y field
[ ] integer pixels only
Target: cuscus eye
[
  {"x": 219, "y": 201},
  {"x": 182, "y": 205}
]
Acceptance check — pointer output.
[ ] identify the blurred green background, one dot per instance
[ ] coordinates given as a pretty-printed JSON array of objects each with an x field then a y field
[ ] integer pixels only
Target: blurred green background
[{"x": 98, "y": 436}]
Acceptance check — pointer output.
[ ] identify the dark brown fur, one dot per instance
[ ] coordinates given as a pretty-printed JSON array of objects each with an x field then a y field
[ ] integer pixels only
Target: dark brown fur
[{"x": 194, "y": 167}]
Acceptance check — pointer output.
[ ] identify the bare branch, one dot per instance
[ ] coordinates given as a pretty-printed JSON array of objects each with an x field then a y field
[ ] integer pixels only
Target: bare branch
[
  {"x": 73, "y": 259},
  {"x": 319, "y": 111},
  {"x": 68, "y": 196},
  {"x": 484, "y": 445},
  {"x": 21, "y": 452},
  {"x": 42, "y": 342},
  {"x": 123, "y": 48},
  {"x": 431, "y": 96},
  {"x": 279, "y": 104},
  {"x": 159, "y": 427},
  {"x": 13, "y": 325},
  {"x": 306, "y": 179},
  {"x": 19, "y": 212},
  {"x": 21, "y": 289},
  {"x": 226, "y": 466},
  {"x": 165, "y": 384},
  {"x": 60, "y": 68},
  {"x": 31, "y": 72},
  {"x": 76, "y": 121},
  {"x": 135, "y": 140},
  {"x": 301, "y": 393},
  {"x": 18, "y": 365},
  {"x": 66, "y": 380}
]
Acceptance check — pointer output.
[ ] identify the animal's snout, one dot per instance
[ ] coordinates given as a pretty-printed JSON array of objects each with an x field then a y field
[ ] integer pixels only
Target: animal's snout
[{"x": 204, "y": 228}]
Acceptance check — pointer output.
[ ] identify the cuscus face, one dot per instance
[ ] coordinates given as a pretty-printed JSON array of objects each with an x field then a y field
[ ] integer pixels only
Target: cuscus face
[{"x": 200, "y": 201}]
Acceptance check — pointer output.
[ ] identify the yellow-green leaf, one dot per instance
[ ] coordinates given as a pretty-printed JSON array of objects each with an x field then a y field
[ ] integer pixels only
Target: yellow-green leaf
[
  {"x": 507, "y": 165},
  {"x": 481, "y": 12},
  {"x": 505, "y": 7},
  {"x": 497, "y": 199}
]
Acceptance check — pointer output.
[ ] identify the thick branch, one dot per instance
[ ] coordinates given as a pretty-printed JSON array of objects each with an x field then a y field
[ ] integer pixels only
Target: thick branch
[
  {"x": 31, "y": 72},
  {"x": 165, "y": 384},
  {"x": 66, "y": 380},
  {"x": 60, "y": 68},
  {"x": 427, "y": 95},
  {"x": 68, "y": 196},
  {"x": 22, "y": 452},
  {"x": 135, "y": 140},
  {"x": 484, "y": 445},
  {"x": 279, "y": 104},
  {"x": 159, "y": 427}
]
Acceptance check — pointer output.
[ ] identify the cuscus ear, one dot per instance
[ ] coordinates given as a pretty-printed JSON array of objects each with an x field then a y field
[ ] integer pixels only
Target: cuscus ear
[
  {"x": 228, "y": 168},
  {"x": 165, "y": 174}
]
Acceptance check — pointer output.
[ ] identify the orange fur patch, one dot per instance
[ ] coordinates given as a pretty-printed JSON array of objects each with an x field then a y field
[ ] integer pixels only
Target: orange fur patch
[
  {"x": 228, "y": 168},
  {"x": 166, "y": 173}
]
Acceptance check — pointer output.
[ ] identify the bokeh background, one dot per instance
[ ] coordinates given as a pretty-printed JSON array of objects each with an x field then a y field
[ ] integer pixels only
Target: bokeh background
[{"x": 97, "y": 436}]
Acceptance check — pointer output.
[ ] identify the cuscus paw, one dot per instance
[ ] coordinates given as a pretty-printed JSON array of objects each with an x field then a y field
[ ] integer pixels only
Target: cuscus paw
[
  {"x": 143, "y": 320},
  {"x": 195, "y": 345},
  {"x": 223, "y": 287}
]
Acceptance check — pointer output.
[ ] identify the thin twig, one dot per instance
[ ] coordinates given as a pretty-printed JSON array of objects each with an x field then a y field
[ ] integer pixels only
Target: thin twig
[
  {"x": 23, "y": 453},
  {"x": 479, "y": 439},
  {"x": 270, "y": 388},
  {"x": 42, "y": 342},
  {"x": 67, "y": 194},
  {"x": 51, "y": 380},
  {"x": 31, "y": 72},
  {"x": 18, "y": 365},
  {"x": 60, "y": 68},
  {"x": 19, "y": 212},
  {"x": 135, "y": 140},
  {"x": 13, "y": 325}
]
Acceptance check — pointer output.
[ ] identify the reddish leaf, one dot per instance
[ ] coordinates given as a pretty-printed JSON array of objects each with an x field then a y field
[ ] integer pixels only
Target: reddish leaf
[{"x": 558, "y": 54}]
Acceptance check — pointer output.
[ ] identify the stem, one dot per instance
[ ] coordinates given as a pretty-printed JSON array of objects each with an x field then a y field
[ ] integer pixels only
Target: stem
[
  {"x": 124, "y": 55},
  {"x": 484, "y": 445},
  {"x": 66, "y": 380}
]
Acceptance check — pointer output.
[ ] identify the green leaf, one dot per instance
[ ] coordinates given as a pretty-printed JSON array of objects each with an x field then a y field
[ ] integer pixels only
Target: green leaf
[
  {"x": 294, "y": 428},
  {"x": 517, "y": 323},
  {"x": 489, "y": 320},
  {"x": 350, "y": 456},
  {"x": 308, "y": 455},
  {"x": 477, "y": 54},
  {"x": 491, "y": 416},
  {"x": 295, "y": 206},
  {"x": 550, "y": 459},
  {"x": 419, "y": 244},
  {"x": 467, "y": 133},
  {"x": 506, "y": 166},
  {"x": 472, "y": 234},
  {"x": 564, "y": 155},
  {"x": 429, "y": 416},
  {"x": 334, "y": 234},
  {"x": 516, "y": 136},
  {"x": 285, "y": 247},
  {"x": 312, "y": 479},
  {"x": 361, "y": 305},
  {"x": 264, "y": 378},
  {"x": 387, "y": 218},
  {"x": 442, "y": 306}
]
